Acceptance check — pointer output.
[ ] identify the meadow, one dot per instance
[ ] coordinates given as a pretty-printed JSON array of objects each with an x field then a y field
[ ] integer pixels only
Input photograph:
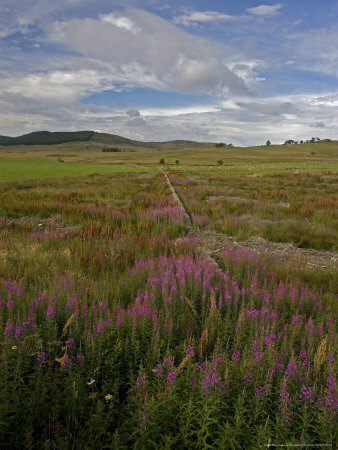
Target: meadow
[
  {"x": 300, "y": 208},
  {"x": 118, "y": 330},
  {"x": 28, "y": 168}
]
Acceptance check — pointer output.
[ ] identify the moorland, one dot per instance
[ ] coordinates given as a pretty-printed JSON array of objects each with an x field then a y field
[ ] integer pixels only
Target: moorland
[{"x": 138, "y": 312}]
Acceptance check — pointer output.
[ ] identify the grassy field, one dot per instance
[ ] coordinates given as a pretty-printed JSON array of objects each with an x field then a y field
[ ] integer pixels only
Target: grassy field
[
  {"x": 118, "y": 331},
  {"x": 309, "y": 157},
  {"x": 26, "y": 168},
  {"x": 281, "y": 207}
]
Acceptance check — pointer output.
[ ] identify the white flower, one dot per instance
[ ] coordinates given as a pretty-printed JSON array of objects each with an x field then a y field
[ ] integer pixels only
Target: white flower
[{"x": 108, "y": 397}]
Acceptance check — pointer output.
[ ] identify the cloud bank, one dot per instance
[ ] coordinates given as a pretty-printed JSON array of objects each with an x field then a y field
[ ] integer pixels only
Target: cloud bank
[
  {"x": 141, "y": 48},
  {"x": 232, "y": 79}
]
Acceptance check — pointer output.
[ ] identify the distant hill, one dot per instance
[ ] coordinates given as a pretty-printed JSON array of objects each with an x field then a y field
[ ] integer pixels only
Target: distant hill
[
  {"x": 49, "y": 138},
  {"x": 46, "y": 138}
]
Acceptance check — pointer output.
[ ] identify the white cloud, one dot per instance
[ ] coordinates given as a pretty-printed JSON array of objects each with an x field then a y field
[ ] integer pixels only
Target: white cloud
[
  {"x": 136, "y": 122},
  {"x": 245, "y": 69},
  {"x": 22, "y": 15},
  {"x": 315, "y": 50},
  {"x": 180, "y": 111},
  {"x": 194, "y": 17},
  {"x": 237, "y": 120},
  {"x": 120, "y": 22},
  {"x": 194, "y": 75},
  {"x": 57, "y": 84},
  {"x": 138, "y": 49},
  {"x": 270, "y": 108},
  {"x": 161, "y": 55},
  {"x": 203, "y": 16},
  {"x": 265, "y": 10}
]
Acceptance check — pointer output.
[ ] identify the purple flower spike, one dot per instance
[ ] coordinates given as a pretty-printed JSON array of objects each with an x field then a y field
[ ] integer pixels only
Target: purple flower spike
[
  {"x": 171, "y": 379},
  {"x": 306, "y": 394},
  {"x": 259, "y": 392},
  {"x": 10, "y": 305},
  {"x": 80, "y": 358},
  {"x": 236, "y": 356},
  {"x": 50, "y": 312}
]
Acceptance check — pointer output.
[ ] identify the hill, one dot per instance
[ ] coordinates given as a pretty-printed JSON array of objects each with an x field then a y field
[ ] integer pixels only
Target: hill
[
  {"x": 50, "y": 138},
  {"x": 46, "y": 138}
]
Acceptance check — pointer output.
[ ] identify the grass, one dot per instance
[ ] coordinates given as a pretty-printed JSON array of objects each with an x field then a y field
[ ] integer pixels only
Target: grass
[
  {"x": 116, "y": 331},
  {"x": 25, "y": 168},
  {"x": 250, "y": 160},
  {"x": 300, "y": 207}
]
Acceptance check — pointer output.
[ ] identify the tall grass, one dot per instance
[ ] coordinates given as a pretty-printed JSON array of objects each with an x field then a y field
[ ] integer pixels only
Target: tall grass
[
  {"x": 114, "y": 334},
  {"x": 297, "y": 208}
]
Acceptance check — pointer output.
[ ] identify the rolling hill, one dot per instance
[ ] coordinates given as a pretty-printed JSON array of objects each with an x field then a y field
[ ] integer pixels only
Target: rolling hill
[{"x": 51, "y": 138}]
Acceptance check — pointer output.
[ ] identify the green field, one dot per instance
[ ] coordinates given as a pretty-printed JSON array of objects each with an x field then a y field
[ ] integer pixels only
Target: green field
[
  {"x": 81, "y": 158},
  {"x": 26, "y": 168}
]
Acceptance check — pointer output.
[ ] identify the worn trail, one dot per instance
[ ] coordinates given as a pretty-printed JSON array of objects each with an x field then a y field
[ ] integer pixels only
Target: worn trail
[
  {"x": 213, "y": 244},
  {"x": 177, "y": 198},
  {"x": 187, "y": 216}
]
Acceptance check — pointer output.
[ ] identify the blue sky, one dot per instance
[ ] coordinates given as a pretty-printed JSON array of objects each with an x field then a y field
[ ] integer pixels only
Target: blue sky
[{"x": 231, "y": 71}]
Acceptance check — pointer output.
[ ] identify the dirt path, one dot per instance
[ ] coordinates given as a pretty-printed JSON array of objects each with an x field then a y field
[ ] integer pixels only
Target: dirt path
[
  {"x": 176, "y": 197},
  {"x": 213, "y": 244},
  {"x": 286, "y": 253}
]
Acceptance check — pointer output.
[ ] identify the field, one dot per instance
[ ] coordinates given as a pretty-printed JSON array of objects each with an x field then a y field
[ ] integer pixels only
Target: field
[
  {"x": 129, "y": 322},
  {"x": 12, "y": 169}
]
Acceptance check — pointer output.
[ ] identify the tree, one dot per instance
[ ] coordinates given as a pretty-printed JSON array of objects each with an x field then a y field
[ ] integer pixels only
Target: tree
[
  {"x": 177, "y": 161},
  {"x": 268, "y": 142},
  {"x": 162, "y": 161},
  {"x": 219, "y": 162}
]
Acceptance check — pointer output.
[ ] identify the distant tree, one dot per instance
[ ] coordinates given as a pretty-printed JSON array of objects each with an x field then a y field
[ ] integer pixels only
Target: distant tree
[
  {"x": 317, "y": 139},
  {"x": 162, "y": 161},
  {"x": 221, "y": 144},
  {"x": 313, "y": 139},
  {"x": 268, "y": 142},
  {"x": 289, "y": 142},
  {"x": 301, "y": 142},
  {"x": 177, "y": 161},
  {"x": 219, "y": 162},
  {"x": 230, "y": 145}
]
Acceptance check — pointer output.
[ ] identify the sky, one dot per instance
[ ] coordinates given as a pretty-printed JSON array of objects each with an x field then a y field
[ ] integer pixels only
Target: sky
[{"x": 214, "y": 71}]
